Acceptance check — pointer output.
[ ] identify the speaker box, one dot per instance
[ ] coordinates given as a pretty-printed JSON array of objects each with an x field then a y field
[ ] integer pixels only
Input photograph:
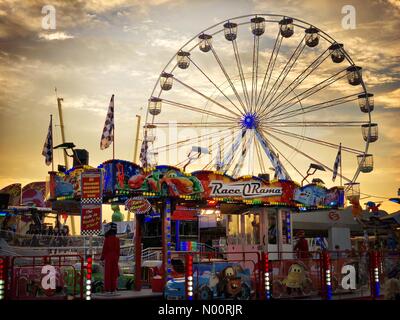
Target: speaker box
[{"x": 81, "y": 157}]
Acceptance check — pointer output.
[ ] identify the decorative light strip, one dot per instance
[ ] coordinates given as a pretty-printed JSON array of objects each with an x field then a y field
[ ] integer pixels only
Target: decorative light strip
[
  {"x": 375, "y": 266},
  {"x": 189, "y": 277},
  {"x": 266, "y": 274},
  {"x": 89, "y": 267},
  {"x": 289, "y": 237},
  {"x": 328, "y": 280},
  {"x": 169, "y": 237},
  {"x": 2, "y": 278}
]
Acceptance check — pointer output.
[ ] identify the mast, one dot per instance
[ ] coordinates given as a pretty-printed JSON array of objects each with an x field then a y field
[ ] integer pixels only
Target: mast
[
  {"x": 62, "y": 127},
  {"x": 60, "y": 115},
  {"x": 135, "y": 151}
]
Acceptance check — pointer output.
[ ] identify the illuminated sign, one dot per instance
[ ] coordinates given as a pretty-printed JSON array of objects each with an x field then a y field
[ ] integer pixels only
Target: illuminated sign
[
  {"x": 138, "y": 205},
  {"x": 246, "y": 189},
  {"x": 91, "y": 218},
  {"x": 91, "y": 186}
]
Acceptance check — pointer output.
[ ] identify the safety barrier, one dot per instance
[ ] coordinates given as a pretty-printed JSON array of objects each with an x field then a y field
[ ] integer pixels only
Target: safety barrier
[
  {"x": 316, "y": 275},
  {"x": 45, "y": 277},
  {"x": 208, "y": 277}
]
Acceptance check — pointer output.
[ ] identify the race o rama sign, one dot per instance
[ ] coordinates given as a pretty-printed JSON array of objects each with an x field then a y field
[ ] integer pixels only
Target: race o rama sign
[
  {"x": 244, "y": 189},
  {"x": 137, "y": 205}
]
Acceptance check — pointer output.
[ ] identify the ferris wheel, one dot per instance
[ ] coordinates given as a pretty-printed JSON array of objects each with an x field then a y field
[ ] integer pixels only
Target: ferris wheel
[{"x": 262, "y": 93}]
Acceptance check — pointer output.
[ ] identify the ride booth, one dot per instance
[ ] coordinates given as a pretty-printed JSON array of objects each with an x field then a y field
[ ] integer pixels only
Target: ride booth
[{"x": 258, "y": 227}]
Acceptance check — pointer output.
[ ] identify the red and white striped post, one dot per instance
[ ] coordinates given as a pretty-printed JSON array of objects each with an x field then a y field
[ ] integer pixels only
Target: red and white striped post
[
  {"x": 374, "y": 273},
  {"x": 189, "y": 277},
  {"x": 326, "y": 271},
  {"x": 3, "y": 278},
  {"x": 89, "y": 267},
  {"x": 266, "y": 280}
]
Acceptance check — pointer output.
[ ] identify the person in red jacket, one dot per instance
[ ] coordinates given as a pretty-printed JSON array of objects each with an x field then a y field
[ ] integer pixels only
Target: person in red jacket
[
  {"x": 110, "y": 256},
  {"x": 301, "y": 246}
]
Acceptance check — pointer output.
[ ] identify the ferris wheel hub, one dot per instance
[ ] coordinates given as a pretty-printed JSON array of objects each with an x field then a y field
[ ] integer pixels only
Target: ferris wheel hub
[{"x": 249, "y": 120}]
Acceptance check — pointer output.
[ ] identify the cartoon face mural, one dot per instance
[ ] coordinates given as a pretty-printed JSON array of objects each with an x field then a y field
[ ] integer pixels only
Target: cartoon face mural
[
  {"x": 117, "y": 175},
  {"x": 296, "y": 277},
  {"x": 230, "y": 284},
  {"x": 167, "y": 181},
  {"x": 34, "y": 194},
  {"x": 310, "y": 195}
]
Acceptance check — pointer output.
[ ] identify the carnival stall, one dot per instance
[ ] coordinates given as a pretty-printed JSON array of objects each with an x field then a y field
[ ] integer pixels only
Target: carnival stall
[{"x": 258, "y": 211}]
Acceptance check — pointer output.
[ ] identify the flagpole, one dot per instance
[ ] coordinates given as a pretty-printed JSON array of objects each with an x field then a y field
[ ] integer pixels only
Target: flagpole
[
  {"x": 52, "y": 155},
  {"x": 340, "y": 146},
  {"x": 114, "y": 128}
]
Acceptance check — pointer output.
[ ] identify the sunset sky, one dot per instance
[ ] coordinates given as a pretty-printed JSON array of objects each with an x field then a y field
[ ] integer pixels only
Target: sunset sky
[{"x": 105, "y": 47}]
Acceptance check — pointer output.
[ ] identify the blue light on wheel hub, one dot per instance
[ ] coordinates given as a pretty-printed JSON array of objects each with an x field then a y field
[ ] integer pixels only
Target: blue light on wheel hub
[{"x": 249, "y": 121}]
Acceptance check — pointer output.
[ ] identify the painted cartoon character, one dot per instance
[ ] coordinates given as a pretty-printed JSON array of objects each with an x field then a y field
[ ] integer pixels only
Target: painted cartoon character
[
  {"x": 136, "y": 181},
  {"x": 120, "y": 175},
  {"x": 297, "y": 280},
  {"x": 310, "y": 195},
  {"x": 170, "y": 183},
  {"x": 373, "y": 207},
  {"x": 229, "y": 283}
]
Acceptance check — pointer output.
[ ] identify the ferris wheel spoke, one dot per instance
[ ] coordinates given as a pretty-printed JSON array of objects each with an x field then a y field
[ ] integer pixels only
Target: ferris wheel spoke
[
  {"x": 280, "y": 170},
  {"x": 270, "y": 67},
  {"x": 229, "y": 157},
  {"x": 241, "y": 73},
  {"x": 298, "y": 80},
  {"x": 311, "y": 91},
  {"x": 228, "y": 78},
  {"x": 283, "y": 156},
  {"x": 192, "y": 140},
  {"x": 315, "y": 124},
  {"x": 242, "y": 156},
  {"x": 286, "y": 70},
  {"x": 213, "y": 83},
  {"x": 312, "y": 108},
  {"x": 254, "y": 73},
  {"x": 317, "y": 141},
  {"x": 206, "y": 97},
  {"x": 199, "y": 110},
  {"x": 194, "y": 124},
  {"x": 217, "y": 160},
  {"x": 259, "y": 155},
  {"x": 307, "y": 156},
  {"x": 189, "y": 160}
]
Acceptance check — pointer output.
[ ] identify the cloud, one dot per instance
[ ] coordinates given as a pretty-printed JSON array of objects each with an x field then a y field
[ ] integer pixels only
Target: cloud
[
  {"x": 55, "y": 36},
  {"x": 389, "y": 100}
]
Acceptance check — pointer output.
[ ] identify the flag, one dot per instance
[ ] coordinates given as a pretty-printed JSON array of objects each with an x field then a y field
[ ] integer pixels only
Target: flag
[
  {"x": 108, "y": 131},
  {"x": 338, "y": 162},
  {"x": 143, "y": 153},
  {"x": 48, "y": 145}
]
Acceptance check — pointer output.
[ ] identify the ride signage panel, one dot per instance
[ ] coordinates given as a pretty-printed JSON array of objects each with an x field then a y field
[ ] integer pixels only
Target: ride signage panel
[
  {"x": 91, "y": 185},
  {"x": 245, "y": 189},
  {"x": 91, "y": 218}
]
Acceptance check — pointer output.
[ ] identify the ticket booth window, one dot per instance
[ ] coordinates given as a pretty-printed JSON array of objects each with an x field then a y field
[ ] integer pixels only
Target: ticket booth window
[
  {"x": 272, "y": 228},
  {"x": 252, "y": 228},
  {"x": 234, "y": 229}
]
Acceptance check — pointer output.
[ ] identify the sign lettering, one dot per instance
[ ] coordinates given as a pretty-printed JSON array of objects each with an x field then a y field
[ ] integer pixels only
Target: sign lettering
[
  {"x": 49, "y": 278},
  {"x": 248, "y": 189}
]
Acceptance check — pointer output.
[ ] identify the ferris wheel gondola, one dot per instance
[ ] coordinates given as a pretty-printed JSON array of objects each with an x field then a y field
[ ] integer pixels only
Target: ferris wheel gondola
[{"x": 278, "y": 97}]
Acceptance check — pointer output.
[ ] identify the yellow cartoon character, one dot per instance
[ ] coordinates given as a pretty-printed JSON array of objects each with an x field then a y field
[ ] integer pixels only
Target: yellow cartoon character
[{"x": 297, "y": 279}]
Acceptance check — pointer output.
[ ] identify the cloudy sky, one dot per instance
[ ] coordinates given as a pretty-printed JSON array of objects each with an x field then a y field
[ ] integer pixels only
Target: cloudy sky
[{"x": 105, "y": 47}]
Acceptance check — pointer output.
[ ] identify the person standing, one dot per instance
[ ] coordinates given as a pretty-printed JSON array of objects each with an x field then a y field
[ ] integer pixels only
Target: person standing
[
  {"x": 301, "y": 246},
  {"x": 110, "y": 256}
]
